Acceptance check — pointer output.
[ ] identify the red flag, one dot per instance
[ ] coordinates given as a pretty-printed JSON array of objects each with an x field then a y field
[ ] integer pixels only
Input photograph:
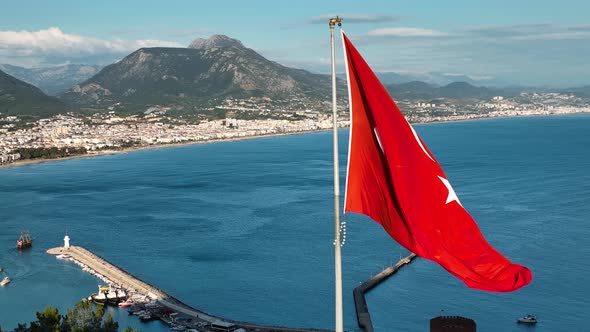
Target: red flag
[{"x": 395, "y": 180}]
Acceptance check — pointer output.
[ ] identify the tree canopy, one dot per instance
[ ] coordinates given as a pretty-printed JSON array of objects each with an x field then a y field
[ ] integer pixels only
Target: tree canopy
[{"x": 83, "y": 317}]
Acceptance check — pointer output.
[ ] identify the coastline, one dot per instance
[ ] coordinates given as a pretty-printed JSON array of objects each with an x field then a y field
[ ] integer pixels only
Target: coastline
[{"x": 27, "y": 162}]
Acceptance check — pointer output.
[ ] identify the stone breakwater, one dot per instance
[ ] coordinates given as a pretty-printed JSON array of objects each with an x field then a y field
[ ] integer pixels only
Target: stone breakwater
[
  {"x": 360, "y": 303},
  {"x": 155, "y": 303}
]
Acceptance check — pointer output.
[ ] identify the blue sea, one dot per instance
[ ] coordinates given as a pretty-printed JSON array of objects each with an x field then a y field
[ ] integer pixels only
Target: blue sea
[{"x": 244, "y": 229}]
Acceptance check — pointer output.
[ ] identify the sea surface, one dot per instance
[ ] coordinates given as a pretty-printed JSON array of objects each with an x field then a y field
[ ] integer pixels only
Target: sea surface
[{"x": 244, "y": 229}]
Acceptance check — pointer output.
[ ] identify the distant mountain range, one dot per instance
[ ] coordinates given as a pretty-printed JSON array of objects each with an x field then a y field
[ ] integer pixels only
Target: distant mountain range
[
  {"x": 455, "y": 90},
  {"x": 53, "y": 80},
  {"x": 581, "y": 91},
  {"x": 20, "y": 98},
  {"x": 418, "y": 90},
  {"x": 435, "y": 78},
  {"x": 217, "y": 67},
  {"x": 202, "y": 76}
]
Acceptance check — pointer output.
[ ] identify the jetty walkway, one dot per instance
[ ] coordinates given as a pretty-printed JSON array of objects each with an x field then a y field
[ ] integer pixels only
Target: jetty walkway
[
  {"x": 191, "y": 316},
  {"x": 362, "y": 310}
]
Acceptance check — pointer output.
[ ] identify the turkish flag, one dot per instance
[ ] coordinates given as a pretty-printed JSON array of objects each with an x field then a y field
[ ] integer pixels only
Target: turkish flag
[{"x": 395, "y": 180}]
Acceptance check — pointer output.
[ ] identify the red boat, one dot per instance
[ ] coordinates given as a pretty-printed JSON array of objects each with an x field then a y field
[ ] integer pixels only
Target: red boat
[
  {"x": 126, "y": 304},
  {"x": 24, "y": 241}
]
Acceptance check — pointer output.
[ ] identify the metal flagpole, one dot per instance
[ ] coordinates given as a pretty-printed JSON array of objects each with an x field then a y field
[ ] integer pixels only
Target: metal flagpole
[{"x": 337, "y": 240}]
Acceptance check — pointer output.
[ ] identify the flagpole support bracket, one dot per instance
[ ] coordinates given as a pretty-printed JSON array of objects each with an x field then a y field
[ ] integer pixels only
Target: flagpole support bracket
[{"x": 334, "y": 21}]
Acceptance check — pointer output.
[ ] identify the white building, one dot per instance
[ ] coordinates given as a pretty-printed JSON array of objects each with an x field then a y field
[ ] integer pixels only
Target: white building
[{"x": 66, "y": 241}]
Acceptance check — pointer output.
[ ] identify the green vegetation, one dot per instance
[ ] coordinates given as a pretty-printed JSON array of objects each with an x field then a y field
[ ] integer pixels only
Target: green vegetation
[
  {"x": 84, "y": 317},
  {"x": 20, "y": 98},
  {"x": 190, "y": 81},
  {"x": 49, "y": 153}
]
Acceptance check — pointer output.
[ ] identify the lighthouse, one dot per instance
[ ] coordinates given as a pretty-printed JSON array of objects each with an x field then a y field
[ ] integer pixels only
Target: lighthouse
[{"x": 67, "y": 241}]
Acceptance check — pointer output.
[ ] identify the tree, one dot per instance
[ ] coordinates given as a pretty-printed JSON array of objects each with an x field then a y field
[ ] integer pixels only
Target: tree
[
  {"x": 109, "y": 325},
  {"x": 128, "y": 329},
  {"x": 22, "y": 328},
  {"x": 47, "y": 321},
  {"x": 84, "y": 317}
]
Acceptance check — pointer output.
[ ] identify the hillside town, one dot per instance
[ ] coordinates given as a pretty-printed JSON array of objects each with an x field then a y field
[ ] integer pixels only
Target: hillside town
[{"x": 68, "y": 134}]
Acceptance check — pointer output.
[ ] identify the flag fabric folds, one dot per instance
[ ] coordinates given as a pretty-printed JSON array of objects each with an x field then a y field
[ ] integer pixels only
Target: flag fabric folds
[{"x": 395, "y": 180}]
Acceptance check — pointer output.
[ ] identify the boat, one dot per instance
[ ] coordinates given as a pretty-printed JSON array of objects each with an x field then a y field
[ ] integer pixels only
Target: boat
[
  {"x": 5, "y": 281},
  {"x": 24, "y": 241},
  {"x": 146, "y": 317},
  {"x": 109, "y": 295},
  {"x": 528, "y": 319},
  {"x": 126, "y": 304}
]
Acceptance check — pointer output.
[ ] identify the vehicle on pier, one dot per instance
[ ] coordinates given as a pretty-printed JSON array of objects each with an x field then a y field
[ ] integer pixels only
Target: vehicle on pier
[
  {"x": 24, "y": 241},
  {"x": 528, "y": 319}
]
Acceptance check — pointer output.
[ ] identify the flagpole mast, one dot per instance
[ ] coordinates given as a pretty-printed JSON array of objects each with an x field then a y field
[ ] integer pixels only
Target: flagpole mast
[{"x": 337, "y": 240}]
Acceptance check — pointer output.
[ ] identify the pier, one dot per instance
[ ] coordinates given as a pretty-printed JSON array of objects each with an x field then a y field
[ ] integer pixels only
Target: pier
[
  {"x": 362, "y": 310},
  {"x": 174, "y": 310}
]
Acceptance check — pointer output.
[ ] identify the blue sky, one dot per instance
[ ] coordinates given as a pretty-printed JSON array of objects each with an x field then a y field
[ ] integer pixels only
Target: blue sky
[{"x": 515, "y": 42}]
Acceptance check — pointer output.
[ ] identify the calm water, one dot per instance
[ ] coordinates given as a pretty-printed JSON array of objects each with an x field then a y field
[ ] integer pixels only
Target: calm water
[{"x": 244, "y": 229}]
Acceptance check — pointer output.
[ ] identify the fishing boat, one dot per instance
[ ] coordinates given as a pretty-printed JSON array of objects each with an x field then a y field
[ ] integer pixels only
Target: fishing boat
[
  {"x": 528, "y": 319},
  {"x": 24, "y": 241},
  {"x": 108, "y": 295},
  {"x": 5, "y": 281}
]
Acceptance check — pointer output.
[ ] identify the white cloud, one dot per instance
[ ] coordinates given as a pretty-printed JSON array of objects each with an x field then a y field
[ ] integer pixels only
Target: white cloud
[
  {"x": 524, "y": 32},
  {"x": 405, "y": 32},
  {"x": 52, "y": 42},
  {"x": 473, "y": 77}
]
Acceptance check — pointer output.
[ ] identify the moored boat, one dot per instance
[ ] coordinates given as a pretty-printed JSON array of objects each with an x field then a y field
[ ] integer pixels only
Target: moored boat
[
  {"x": 126, "y": 304},
  {"x": 528, "y": 319},
  {"x": 5, "y": 281},
  {"x": 109, "y": 295},
  {"x": 24, "y": 241}
]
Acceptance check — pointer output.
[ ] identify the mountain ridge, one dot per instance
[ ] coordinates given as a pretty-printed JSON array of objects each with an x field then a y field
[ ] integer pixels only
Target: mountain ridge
[
  {"x": 52, "y": 80},
  {"x": 21, "y": 98},
  {"x": 218, "y": 67}
]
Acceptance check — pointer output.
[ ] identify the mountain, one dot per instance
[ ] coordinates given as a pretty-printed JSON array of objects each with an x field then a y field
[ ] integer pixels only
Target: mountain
[
  {"x": 460, "y": 90},
  {"x": 435, "y": 78},
  {"x": 455, "y": 90},
  {"x": 412, "y": 90},
  {"x": 53, "y": 80},
  {"x": 20, "y": 98},
  {"x": 206, "y": 72},
  {"x": 215, "y": 41},
  {"x": 583, "y": 91}
]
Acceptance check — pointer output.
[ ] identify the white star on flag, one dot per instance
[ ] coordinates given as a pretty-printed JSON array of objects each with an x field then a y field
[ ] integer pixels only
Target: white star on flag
[{"x": 452, "y": 195}]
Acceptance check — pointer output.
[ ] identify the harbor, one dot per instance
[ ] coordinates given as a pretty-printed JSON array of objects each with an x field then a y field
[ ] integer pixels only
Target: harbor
[{"x": 150, "y": 302}]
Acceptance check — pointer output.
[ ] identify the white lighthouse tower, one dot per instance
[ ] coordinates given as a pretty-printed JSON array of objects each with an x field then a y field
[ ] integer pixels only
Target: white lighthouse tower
[{"x": 67, "y": 241}]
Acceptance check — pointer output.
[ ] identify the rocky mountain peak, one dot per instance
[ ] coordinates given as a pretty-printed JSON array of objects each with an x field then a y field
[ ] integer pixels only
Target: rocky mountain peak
[{"x": 215, "y": 41}]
